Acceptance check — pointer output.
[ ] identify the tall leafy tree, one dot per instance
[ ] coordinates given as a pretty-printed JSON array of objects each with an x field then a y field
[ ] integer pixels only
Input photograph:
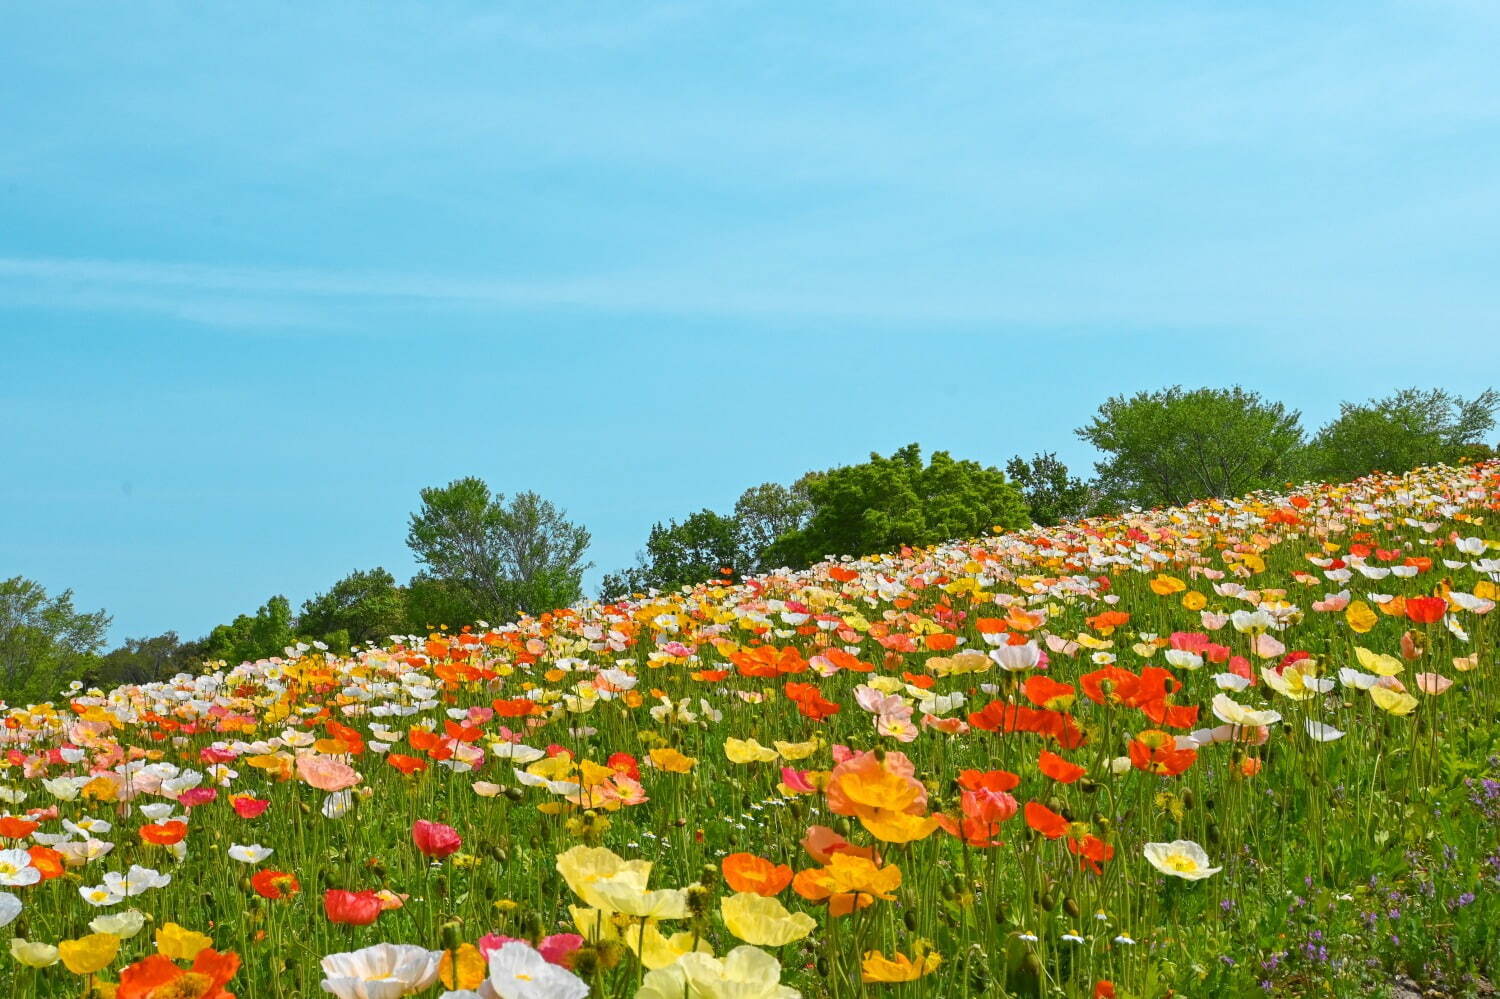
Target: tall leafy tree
[
  {"x": 147, "y": 660},
  {"x": 681, "y": 554},
  {"x": 1405, "y": 430},
  {"x": 433, "y": 603},
  {"x": 765, "y": 513},
  {"x": 521, "y": 556},
  {"x": 1053, "y": 495},
  {"x": 1176, "y": 445},
  {"x": 45, "y": 642},
  {"x": 253, "y": 636},
  {"x": 888, "y": 502},
  {"x": 364, "y": 606}
]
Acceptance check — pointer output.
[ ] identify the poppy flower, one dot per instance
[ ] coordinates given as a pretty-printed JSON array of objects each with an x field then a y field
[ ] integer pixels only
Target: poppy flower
[
  {"x": 745, "y": 872},
  {"x": 165, "y": 833},
  {"x": 248, "y": 807},
  {"x": 406, "y": 764},
  {"x": 1426, "y": 610},
  {"x": 274, "y": 884},
  {"x": 1059, "y": 769},
  {"x": 157, "y": 976},
  {"x": 435, "y": 839},
  {"x": 1045, "y": 821},
  {"x": 351, "y": 908}
]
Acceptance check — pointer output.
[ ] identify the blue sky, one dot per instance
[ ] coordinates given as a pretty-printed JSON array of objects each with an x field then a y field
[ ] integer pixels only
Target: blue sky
[{"x": 268, "y": 270}]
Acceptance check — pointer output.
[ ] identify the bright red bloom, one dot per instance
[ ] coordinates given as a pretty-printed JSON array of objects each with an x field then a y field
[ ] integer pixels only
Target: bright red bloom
[
  {"x": 248, "y": 807},
  {"x": 353, "y": 908},
  {"x": 435, "y": 839},
  {"x": 1426, "y": 610},
  {"x": 12, "y": 827},
  {"x": 196, "y": 796}
]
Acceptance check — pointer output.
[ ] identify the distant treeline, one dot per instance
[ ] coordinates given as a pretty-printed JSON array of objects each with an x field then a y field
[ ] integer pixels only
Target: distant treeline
[{"x": 488, "y": 558}]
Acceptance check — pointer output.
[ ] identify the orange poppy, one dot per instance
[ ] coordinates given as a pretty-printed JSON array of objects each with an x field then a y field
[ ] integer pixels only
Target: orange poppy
[
  {"x": 165, "y": 833},
  {"x": 1045, "y": 821},
  {"x": 158, "y": 977},
  {"x": 1059, "y": 769},
  {"x": 747, "y": 872}
]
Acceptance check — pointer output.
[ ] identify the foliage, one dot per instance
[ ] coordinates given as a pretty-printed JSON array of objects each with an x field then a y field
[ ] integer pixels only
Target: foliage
[
  {"x": 364, "y": 606},
  {"x": 433, "y": 603},
  {"x": 681, "y": 554},
  {"x": 885, "y": 503},
  {"x": 44, "y": 641},
  {"x": 248, "y": 637},
  {"x": 1174, "y": 445},
  {"x": 524, "y": 556},
  {"x": 1051, "y": 494},
  {"x": 767, "y": 512},
  {"x": 1407, "y": 429},
  {"x": 145, "y": 660}
]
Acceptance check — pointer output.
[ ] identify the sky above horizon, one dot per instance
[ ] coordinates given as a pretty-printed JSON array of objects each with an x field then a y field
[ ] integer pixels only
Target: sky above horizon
[{"x": 268, "y": 271}]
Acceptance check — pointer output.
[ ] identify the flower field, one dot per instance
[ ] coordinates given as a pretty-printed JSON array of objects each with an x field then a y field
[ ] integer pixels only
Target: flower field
[{"x": 1237, "y": 748}]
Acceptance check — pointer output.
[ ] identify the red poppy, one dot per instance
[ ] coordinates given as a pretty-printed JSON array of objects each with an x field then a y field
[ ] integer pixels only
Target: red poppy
[
  {"x": 1426, "y": 610},
  {"x": 248, "y": 807},
  {"x": 987, "y": 780},
  {"x": 353, "y": 908},
  {"x": 435, "y": 839}
]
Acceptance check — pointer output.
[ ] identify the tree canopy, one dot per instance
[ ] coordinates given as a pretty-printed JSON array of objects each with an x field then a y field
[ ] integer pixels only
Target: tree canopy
[
  {"x": 1407, "y": 429},
  {"x": 680, "y": 554},
  {"x": 885, "y": 503},
  {"x": 1052, "y": 495},
  {"x": 45, "y": 642},
  {"x": 521, "y": 556},
  {"x": 364, "y": 606},
  {"x": 1174, "y": 445}
]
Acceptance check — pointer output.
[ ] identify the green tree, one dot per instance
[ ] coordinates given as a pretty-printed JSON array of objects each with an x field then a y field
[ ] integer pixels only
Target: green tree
[
  {"x": 1406, "y": 430},
  {"x": 1051, "y": 494},
  {"x": 147, "y": 660},
  {"x": 364, "y": 606},
  {"x": 681, "y": 555},
  {"x": 433, "y": 603},
  {"x": 251, "y": 637},
  {"x": 524, "y": 556},
  {"x": 765, "y": 513},
  {"x": 888, "y": 502},
  {"x": 45, "y": 643},
  {"x": 1174, "y": 445}
]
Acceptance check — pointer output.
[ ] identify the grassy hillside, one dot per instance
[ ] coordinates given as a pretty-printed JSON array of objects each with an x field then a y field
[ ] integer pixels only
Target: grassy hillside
[{"x": 1237, "y": 748}]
